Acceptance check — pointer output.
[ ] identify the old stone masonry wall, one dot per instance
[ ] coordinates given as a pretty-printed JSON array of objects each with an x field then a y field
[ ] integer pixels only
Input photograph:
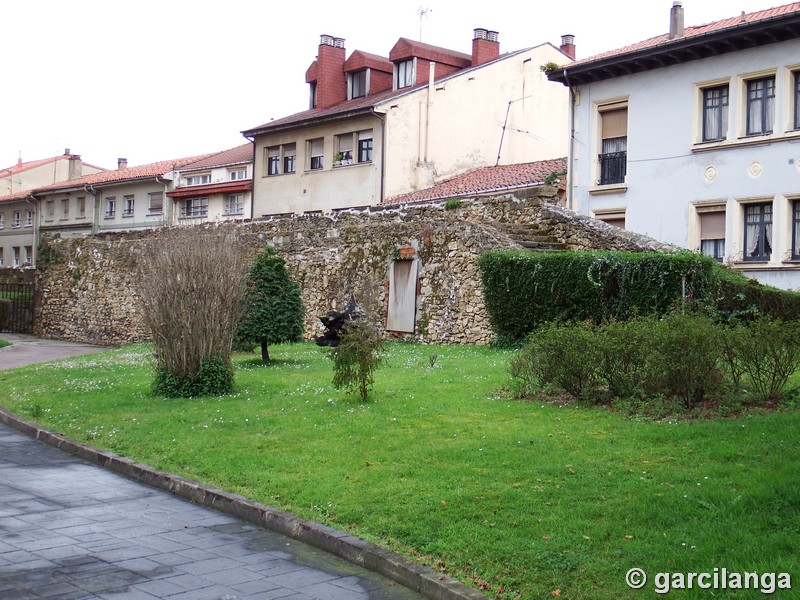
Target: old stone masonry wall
[{"x": 88, "y": 285}]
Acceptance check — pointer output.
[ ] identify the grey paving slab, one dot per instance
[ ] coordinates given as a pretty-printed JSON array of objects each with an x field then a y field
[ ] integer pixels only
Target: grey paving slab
[
  {"x": 26, "y": 350},
  {"x": 126, "y": 541}
]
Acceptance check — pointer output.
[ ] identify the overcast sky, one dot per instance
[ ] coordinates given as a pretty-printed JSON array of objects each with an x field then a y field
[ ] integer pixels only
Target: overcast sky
[{"x": 154, "y": 80}]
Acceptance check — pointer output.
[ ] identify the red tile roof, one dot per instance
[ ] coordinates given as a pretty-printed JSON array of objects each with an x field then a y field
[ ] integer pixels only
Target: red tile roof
[
  {"x": 235, "y": 156},
  {"x": 694, "y": 31},
  {"x": 121, "y": 175},
  {"x": 486, "y": 180},
  {"x": 25, "y": 166},
  {"x": 361, "y": 60}
]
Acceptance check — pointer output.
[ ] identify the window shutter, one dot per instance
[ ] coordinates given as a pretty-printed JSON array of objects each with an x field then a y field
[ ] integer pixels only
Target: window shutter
[
  {"x": 346, "y": 143},
  {"x": 316, "y": 147},
  {"x": 365, "y": 135},
  {"x": 615, "y": 123},
  {"x": 274, "y": 152},
  {"x": 712, "y": 226}
]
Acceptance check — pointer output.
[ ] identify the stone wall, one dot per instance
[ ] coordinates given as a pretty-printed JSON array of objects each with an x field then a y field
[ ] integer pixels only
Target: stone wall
[{"x": 88, "y": 284}]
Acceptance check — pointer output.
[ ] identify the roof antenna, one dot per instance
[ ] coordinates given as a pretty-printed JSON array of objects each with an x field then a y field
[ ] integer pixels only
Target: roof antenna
[{"x": 423, "y": 12}]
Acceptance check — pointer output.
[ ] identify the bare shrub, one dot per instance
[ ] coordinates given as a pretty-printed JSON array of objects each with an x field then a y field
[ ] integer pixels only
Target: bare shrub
[{"x": 191, "y": 288}]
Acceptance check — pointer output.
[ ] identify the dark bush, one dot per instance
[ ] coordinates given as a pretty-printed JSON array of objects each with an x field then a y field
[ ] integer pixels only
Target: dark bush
[
  {"x": 357, "y": 357},
  {"x": 742, "y": 299},
  {"x": 213, "y": 378},
  {"x": 625, "y": 354},
  {"x": 524, "y": 290}
]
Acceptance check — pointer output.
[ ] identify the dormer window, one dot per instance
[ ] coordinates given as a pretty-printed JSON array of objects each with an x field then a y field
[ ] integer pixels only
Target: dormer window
[
  {"x": 312, "y": 100},
  {"x": 404, "y": 73},
  {"x": 358, "y": 84}
]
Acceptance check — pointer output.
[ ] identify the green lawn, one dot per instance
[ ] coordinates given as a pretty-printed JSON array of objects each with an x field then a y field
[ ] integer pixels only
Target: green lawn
[
  {"x": 441, "y": 465},
  {"x": 4, "y": 343}
]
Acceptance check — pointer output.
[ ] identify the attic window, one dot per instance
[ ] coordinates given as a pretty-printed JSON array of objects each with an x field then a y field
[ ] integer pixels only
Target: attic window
[
  {"x": 404, "y": 73},
  {"x": 198, "y": 179},
  {"x": 358, "y": 84}
]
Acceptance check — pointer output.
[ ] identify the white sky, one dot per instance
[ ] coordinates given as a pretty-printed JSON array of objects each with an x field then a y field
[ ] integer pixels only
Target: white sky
[{"x": 153, "y": 80}]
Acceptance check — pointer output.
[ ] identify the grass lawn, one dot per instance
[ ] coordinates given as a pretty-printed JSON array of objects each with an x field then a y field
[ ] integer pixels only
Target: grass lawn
[
  {"x": 4, "y": 343},
  {"x": 517, "y": 498}
]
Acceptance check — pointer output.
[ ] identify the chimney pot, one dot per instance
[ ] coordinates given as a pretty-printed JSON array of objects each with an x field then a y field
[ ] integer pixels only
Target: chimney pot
[
  {"x": 122, "y": 163},
  {"x": 676, "y": 20},
  {"x": 326, "y": 40},
  {"x": 568, "y": 45},
  {"x": 485, "y": 46},
  {"x": 66, "y": 151}
]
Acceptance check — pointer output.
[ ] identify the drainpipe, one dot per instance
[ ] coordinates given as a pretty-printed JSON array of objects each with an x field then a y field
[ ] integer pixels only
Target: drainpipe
[
  {"x": 96, "y": 217},
  {"x": 571, "y": 148},
  {"x": 34, "y": 202},
  {"x": 382, "y": 173},
  {"x": 166, "y": 203},
  {"x": 253, "y": 176}
]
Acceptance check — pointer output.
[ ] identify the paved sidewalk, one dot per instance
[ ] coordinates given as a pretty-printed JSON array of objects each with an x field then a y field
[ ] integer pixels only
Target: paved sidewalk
[
  {"x": 26, "y": 349},
  {"x": 70, "y": 530}
]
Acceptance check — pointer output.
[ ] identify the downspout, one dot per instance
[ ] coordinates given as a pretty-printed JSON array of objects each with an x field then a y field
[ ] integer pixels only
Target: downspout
[
  {"x": 96, "y": 217},
  {"x": 382, "y": 173},
  {"x": 166, "y": 202},
  {"x": 253, "y": 178},
  {"x": 36, "y": 231},
  {"x": 571, "y": 147}
]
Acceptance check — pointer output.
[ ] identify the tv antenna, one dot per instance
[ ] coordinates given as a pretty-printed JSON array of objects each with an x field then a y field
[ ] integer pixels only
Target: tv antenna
[{"x": 423, "y": 12}]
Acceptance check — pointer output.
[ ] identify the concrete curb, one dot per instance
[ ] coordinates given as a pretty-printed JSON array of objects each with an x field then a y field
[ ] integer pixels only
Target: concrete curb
[{"x": 428, "y": 582}]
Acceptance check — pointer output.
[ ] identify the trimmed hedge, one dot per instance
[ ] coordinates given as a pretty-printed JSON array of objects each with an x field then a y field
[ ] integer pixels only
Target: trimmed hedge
[
  {"x": 524, "y": 290},
  {"x": 742, "y": 298}
]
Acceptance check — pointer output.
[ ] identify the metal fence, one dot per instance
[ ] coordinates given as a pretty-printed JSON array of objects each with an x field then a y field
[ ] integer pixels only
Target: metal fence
[{"x": 22, "y": 296}]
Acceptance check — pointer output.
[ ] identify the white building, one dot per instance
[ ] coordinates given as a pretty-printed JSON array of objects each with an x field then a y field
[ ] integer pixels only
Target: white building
[{"x": 693, "y": 138}]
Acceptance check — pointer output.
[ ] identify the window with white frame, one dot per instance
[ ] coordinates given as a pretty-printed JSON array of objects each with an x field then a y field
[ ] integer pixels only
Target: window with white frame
[
  {"x": 80, "y": 207},
  {"x": 715, "y": 113},
  {"x": 64, "y": 209},
  {"x": 195, "y": 207},
  {"x": 29, "y": 218},
  {"x": 111, "y": 207},
  {"x": 16, "y": 220},
  {"x": 712, "y": 232},
  {"x": 758, "y": 231},
  {"x": 404, "y": 73},
  {"x": 128, "y": 205},
  {"x": 273, "y": 160},
  {"x": 358, "y": 84},
  {"x": 203, "y": 179},
  {"x": 315, "y": 152},
  {"x": 155, "y": 204},
  {"x": 238, "y": 174},
  {"x": 796, "y": 230},
  {"x": 234, "y": 204},
  {"x": 2, "y": 220},
  {"x": 17, "y": 260},
  {"x": 28, "y": 256},
  {"x": 312, "y": 95},
  {"x": 50, "y": 210},
  {"x": 365, "y": 146},
  {"x": 344, "y": 149},
  {"x": 289, "y": 158},
  {"x": 613, "y": 157},
  {"x": 760, "y": 106}
]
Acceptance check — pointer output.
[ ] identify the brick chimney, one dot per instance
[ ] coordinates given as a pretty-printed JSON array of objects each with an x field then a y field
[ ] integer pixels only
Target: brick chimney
[
  {"x": 485, "y": 46},
  {"x": 676, "y": 20},
  {"x": 328, "y": 76},
  {"x": 75, "y": 169},
  {"x": 568, "y": 45},
  {"x": 122, "y": 163}
]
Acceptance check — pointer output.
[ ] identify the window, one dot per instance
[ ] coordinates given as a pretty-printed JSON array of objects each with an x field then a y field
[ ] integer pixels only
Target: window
[
  {"x": 757, "y": 231},
  {"x": 358, "y": 84},
  {"x": 127, "y": 204},
  {"x": 315, "y": 152},
  {"x": 616, "y": 218},
  {"x": 28, "y": 256},
  {"x": 405, "y": 73},
  {"x": 344, "y": 153},
  {"x": 715, "y": 113},
  {"x": 760, "y": 106},
  {"x": 1, "y": 256},
  {"x": 16, "y": 221},
  {"x": 312, "y": 100},
  {"x": 235, "y": 204},
  {"x": 111, "y": 207},
  {"x": 198, "y": 179},
  {"x": 2, "y": 220},
  {"x": 156, "y": 203},
  {"x": 365, "y": 146},
  {"x": 16, "y": 256},
  {"x": 273, "y": 160},
  {"x": 238, "y": 174},
  {"x": 64, "y": 208},
  {"x": 29, "y": 218},
  {"x": 614, "y": 145},
  {"x": 289, "y": 154},
  {"x": 81, "y": 207},
  {"x": 796, "y": 94},
  {"x": 195, "y": 207},
  {"x": 50, "y": 206},
  {"x": 712, "y": 234},
  {"x": 796, "y": 230}
]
